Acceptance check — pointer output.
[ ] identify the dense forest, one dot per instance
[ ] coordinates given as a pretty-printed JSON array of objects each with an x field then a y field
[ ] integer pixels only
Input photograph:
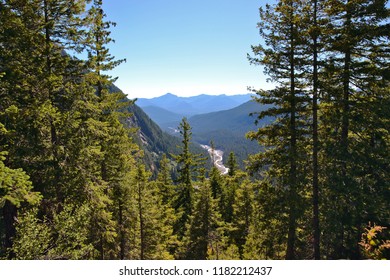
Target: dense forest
[{"x": 74, "y": 183}]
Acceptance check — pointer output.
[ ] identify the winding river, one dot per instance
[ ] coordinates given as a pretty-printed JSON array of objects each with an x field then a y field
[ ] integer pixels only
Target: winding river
[{"x": 217, "y": 156}]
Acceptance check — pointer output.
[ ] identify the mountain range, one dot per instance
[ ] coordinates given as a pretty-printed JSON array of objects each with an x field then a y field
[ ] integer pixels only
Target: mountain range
[
  {"x": 222, "y": 119},
  {"x": 190, "y": 106}
]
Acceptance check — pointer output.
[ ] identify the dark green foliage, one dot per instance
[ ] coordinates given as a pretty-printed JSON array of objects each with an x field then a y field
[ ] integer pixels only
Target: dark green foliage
[
  {"x": 187, "y": 169},
  {"x": 232, "y": 164},
  {"x": 242, "y": 214},
  {"x": 85, "y": 174},
  {"x": 353, "y": 123},
  {"x": 63, "y": 123},
  {"x": 285, "y": 139},
  {"x": 329, "y": 58},
  {"x": 205, "y": 233},
  {"x": 153, "y": 233}
]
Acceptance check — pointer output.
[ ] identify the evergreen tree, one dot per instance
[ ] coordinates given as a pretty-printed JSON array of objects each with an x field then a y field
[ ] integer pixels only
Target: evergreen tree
[
  {"x": 231, "y": 184},
  {"x": 117, "y": 168},
  {"x": 154, "y": 229},
  {"x": 187, "y": 164},
  {"x": 15, "y": 190},
  {"x": 285, "y": 138},
  {"x": 16, "y": 68},
  {"x": 314, "y": 33},
  {"x": 113, "y": 143},
  {"x": 215, "y": 182},
  {"x": 65, "y": 123},
  {"x": 205, "y": 233},
  {"x": 164, "y": 182},
  {"x": 242, "y": 214},
  {"x": 232, "y": 164},
  {"x": 264, "y": 240},
  {"x": 333, "y": 62},
  {"x": 40, "y": 239},
  {"x": 355, "y": 93}
]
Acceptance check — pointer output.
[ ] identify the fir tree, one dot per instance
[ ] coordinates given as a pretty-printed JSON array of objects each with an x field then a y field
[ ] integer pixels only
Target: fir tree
[
  {"x": 205, "y": 233},
  {"x": 232, "y": 164},
  {"x": 187, "y": 164},
  {"x": 242, "y": 214},
  {"x": 356, "y": 81},
  {"x": 284, "y": 139},
  {"x": 154, "y": 229}
]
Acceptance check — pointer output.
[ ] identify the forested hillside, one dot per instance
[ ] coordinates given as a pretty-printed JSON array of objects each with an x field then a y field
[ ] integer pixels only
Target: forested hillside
[
  {"x": 76, "y": 156},
  {"x": 154, "y": 142},
  {"x": 227, "y": 129}
]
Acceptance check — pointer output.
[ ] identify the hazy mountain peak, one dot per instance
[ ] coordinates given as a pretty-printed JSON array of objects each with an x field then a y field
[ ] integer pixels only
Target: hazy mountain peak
[
  {"x": 194, "y": 105},
  {"x": 169, "y": 95}
]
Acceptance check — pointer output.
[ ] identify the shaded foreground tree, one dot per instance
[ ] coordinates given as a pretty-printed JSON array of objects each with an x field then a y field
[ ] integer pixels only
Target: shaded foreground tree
[
  {"x": 330, "y": 62},
  {"x": 187, "y": 168},
  {"x": 285, "y": 138}
]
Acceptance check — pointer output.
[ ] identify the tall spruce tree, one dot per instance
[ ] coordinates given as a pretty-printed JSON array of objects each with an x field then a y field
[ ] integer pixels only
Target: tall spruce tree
[
  {"x": 186, "y": 168},
  {"x": 66, "y": 123},
  {"x": 356, "y": 81},
  {"x": 232, "y": 164},
  {"x": 205, "y": 230},
  {"x": 314, "y": 32},
  {"x": 31, "y": 88},
  {"x": 281, "y": 56},
  {"x": 242, "y": 214},
  {"x": 111, "y": 139},
  {"x": 154, "y": 230}
]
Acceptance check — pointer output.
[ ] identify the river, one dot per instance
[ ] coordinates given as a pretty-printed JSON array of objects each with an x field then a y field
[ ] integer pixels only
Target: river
[{"x": 217, "y": 156}]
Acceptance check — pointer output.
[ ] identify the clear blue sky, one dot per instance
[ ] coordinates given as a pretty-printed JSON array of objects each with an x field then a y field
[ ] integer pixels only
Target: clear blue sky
[{"x": 185, "y": 47}]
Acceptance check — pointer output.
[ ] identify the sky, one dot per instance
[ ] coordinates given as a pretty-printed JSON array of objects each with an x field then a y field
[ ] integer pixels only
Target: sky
[{"x": 185, "y": 47}]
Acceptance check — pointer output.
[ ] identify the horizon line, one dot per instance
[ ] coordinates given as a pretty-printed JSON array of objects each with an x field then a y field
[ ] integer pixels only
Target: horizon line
[{"x": 189, "y": 96}]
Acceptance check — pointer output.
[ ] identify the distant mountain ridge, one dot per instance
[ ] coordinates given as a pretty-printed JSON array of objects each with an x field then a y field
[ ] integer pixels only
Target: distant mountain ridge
[{"x": 190, "y": 106}]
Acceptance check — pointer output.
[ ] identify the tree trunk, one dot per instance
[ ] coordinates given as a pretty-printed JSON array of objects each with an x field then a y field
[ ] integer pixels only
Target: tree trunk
[
  {"x": 9, "y": 217},
  {"x": 316, "y": 220},
  {"x": 290, "y": 254},
  {"x": 141, "y": 224}
]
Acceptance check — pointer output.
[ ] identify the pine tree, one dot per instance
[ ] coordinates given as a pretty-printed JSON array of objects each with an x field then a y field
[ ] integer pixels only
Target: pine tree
[
  {"x": 242, "y": 214},
  {"x": 39, "y": 239},
  {"x": 315, "y": 48},
  {"x": 111, "y": 139},
  {"x": 216, "y": 182},
  {"x": 232, "y": 164},
  {"x": 154, "y": 230},
  {"x": 205, "y": 230},
  {"x": 117, "y": 167},
  {"x": 164, "y": 182},
  {"x": 15, "y": 190},
  {"x": 284, "y": 139},
  {"x": 186, "y": 167},
  {"x": 16, "y": 66},
  {"x": 264, "y": 240},
  {"x": 356, "y": 81},
  {"x": 229, "y": 187}
]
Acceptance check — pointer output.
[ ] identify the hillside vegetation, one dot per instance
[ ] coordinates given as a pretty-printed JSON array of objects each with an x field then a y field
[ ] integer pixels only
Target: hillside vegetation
[{"x": 86, "y": 174}]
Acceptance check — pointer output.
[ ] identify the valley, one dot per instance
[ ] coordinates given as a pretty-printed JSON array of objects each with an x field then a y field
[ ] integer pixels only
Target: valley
[
  {"x": 91, "y": 172},
  {"x": 225, "y": 120}
]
